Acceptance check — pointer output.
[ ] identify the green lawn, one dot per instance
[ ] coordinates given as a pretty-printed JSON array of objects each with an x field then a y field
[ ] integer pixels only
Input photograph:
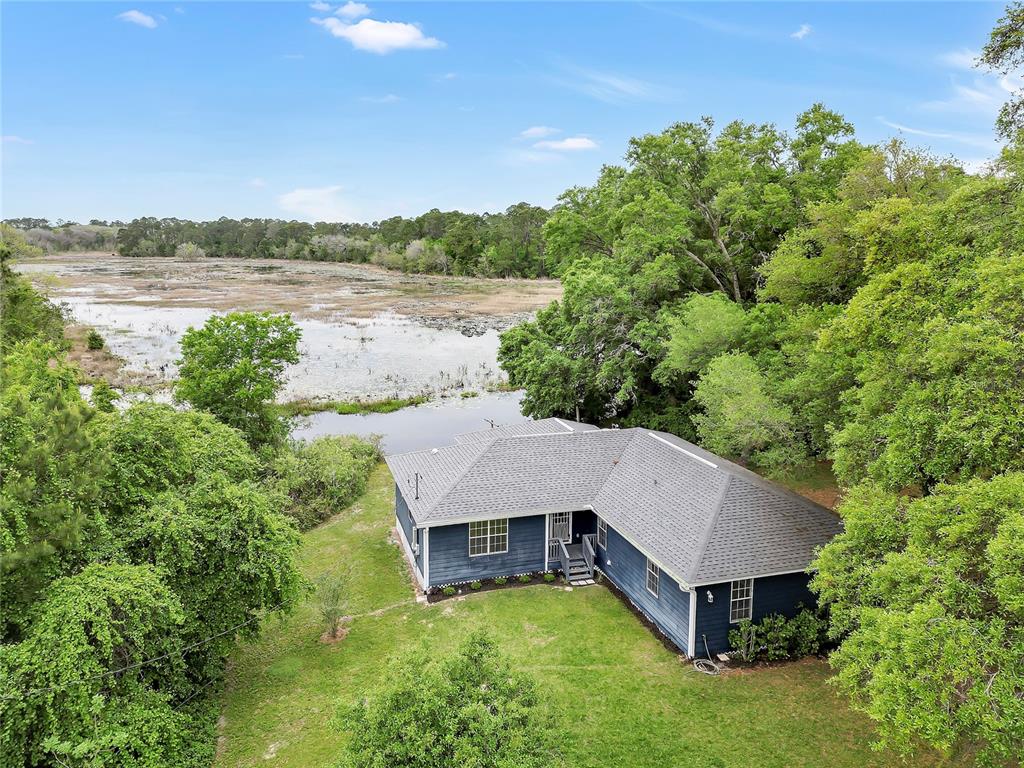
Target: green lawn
[{"x": 621, "y": 698}]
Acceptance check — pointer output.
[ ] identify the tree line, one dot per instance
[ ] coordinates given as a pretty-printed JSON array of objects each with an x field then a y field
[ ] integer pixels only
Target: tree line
[
  {"x": 782, "y": 298},
  {"x": 445, "y": 242}
]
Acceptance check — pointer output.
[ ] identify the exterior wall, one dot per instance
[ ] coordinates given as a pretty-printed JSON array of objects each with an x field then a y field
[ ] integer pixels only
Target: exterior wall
[
  {"x": 450, "y": 562},
  {"x": 406, "y": 522},
  {"x": 626, "y": 567},
  {"x": 774, "y": 594}
]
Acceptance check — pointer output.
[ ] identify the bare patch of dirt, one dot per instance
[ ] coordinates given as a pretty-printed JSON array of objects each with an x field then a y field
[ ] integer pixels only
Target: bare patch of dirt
[
  {"x": 93, "y": 363},
  {"x": 328, "y": 639}
]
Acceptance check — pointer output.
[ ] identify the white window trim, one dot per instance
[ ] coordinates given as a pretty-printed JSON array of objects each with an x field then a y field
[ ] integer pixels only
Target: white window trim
[
  {"x": 652, "y": 568},
  {"x": 749, "y": 599},
  {"x": 602, "y": 525},
  {"x": 487, "y": 537}
]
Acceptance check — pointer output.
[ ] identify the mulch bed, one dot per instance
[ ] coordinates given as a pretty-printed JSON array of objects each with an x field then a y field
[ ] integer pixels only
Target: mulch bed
[{"x": 488, "y": 585}]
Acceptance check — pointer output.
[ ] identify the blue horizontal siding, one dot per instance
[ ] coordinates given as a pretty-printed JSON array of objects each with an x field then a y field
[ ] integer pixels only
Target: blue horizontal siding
[
  {"x": 774, "y": 594},
  {"x": 405, "y": 520},
  {"x": 626, "y": 567},
  {"x": 449, "y": 552}
]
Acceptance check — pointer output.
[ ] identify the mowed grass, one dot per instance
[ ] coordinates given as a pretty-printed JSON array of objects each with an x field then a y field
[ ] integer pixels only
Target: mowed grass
[{"x": 616, "y": 694}]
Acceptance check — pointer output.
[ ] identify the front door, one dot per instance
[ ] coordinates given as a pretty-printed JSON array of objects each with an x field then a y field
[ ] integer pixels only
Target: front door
[{"x": 560, "y": 526}]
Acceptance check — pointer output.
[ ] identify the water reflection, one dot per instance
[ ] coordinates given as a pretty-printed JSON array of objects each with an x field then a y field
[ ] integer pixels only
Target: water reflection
[{"x": 425, "y": 426}]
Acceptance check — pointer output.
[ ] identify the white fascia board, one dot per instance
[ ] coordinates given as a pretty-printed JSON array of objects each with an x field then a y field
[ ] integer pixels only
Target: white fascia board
[{"x": 727, "y": 579}]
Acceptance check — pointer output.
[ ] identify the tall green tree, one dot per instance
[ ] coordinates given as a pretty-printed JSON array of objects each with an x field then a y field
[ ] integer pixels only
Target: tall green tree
[
  {"x": 51, "y": 518},
  {"x": 233, "y": 367},
  {"x": 1004, "y": 53}
]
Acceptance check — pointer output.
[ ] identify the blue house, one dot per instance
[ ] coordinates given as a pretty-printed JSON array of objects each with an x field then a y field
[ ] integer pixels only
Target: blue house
[{"x": 695, "y": 542}]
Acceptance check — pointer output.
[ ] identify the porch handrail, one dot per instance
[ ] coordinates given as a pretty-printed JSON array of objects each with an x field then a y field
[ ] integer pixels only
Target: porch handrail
[
  {"x": 563, "y": 555},
  {"x": 588, "y": 550}
]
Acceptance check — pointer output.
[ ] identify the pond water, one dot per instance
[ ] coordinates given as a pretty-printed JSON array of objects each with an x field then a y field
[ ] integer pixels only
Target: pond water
[
  {"x": 425, "y": 426},
  {"x": 366, "y": 333}
]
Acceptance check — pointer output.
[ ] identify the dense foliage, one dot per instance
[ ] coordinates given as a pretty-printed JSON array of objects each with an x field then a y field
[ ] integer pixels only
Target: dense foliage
[
  {"x": 930, "y": 593},
  {"x": 776, "y": 637},
  {"x": 468, "y": 709},
  {"x": 696, "y": 211},
  {"x": 233, "y": 367},
  {"x": 135, "y": 548},
  {"x": 323, "y": 476}
]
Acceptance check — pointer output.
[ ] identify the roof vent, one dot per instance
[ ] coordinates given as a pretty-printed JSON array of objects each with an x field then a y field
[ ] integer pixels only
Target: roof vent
[{"x": 433, "y": 450}]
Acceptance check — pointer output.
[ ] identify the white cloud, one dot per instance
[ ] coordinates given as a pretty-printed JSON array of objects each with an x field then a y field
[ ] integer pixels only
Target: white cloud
[
  {"x": 965, "y": 58},
  {"x": 449, "y": 76},
  {"x": 257, "y": 183},
  {"x": 138, "y": 17},
  {"x": 380, "y": 36},
  {"x": 804, "y": 31},
  {"x": 538, "y": 132},
  {"x": 11, "y": 139},
  {"x": 317, "y": 204},
  {"x": 569, "y": 144},
  {"x": 352, "y": 10},
  {"x": 320, "y": 6},
  {"x": 974, "y": 140},
  {"x": 388, "y": 98}
]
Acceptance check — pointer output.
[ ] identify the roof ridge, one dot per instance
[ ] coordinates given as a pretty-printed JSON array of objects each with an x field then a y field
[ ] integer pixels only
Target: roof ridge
[{"x": 702, "y": 544}]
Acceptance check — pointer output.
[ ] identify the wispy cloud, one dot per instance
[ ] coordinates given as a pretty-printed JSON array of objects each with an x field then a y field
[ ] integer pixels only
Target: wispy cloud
[
  {"x": 352, "y": 10},
  {"x": 983, "y": 95},
  {"x": 317, "y": 204},
  {"x": 388, "y": 98},
  {"x": 800, "y": 34},
  {"x": 974, "y": 140},
  {"x": 380, "y": 37},
  {"x": 138, "y": 17},
  {"x": 611, "y": 87},
  {"x": 964, "y": 58},
  {"x": 320, "y": 6},
  {"x": 568, "y": 144},
  {"x": 257, "y": 183},
  {"x": 11, "y": 139},
  {"x": 538, "y": 132}
]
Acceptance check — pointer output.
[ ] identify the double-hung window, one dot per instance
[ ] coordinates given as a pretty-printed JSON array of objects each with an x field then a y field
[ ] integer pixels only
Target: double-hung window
[
  {"x": 741, "y": 600},
  {"x": 653, "y": 577},
  {"x": 602, "y": 533},
  {"x": 488, "y": 537}
]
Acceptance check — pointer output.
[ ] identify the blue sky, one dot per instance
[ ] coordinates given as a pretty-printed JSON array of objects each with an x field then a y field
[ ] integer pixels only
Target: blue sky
[{"x": 359, "y": 111}]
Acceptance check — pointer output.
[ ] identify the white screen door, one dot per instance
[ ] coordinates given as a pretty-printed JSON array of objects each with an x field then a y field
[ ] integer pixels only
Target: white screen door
[{"x": 560, "y": 526}]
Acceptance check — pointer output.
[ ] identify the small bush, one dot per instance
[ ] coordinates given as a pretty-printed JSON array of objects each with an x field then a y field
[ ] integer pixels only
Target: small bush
[
  {"x": 525, "y": 578},
  {"x": 448, "y": 591},
  {"x": 332, "y": 600},
  {"x": 103, "y": 396},
  {"x": 94, "y": 340},
  {"x": 775, "y": 637},
  {"x": 501, "y": 580},
  {"x": 321, "y": 478},
  {"x": 549, "y": 577},
  {"x": 475, "y": 585}
]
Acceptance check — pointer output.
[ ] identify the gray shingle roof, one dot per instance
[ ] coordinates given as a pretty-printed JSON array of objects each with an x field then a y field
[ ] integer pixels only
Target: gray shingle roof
[{"x": 701, "y": 517}]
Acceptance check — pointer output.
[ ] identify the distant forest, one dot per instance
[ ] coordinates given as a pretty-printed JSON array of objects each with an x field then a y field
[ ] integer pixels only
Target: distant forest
[{"x": 507, "y": 244}]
